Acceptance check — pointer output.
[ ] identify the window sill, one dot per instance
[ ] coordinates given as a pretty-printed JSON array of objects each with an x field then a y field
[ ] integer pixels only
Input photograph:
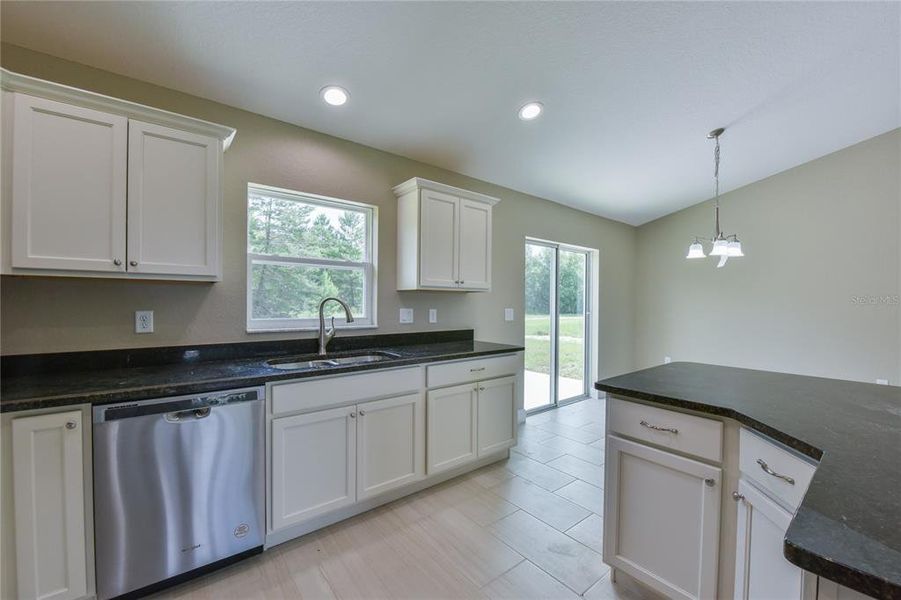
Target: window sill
[{"x": 289, "y": 329}]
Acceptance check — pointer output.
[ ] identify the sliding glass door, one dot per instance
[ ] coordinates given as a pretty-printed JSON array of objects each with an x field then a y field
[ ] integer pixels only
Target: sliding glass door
[{"x": 556, "y": 324}]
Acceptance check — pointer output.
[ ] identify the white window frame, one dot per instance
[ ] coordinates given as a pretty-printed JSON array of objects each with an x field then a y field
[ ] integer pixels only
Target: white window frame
[{"x": 368, "y": 320}]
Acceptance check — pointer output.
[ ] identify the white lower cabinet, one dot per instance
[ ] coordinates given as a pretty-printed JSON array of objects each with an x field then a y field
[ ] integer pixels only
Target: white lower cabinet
[
  {"x": 496, "y": 415},
  {"x": 829, "y": 590},
  {"x": 390, "y": 444},
  {"x": 662, "y": 514},
  {"x": 452, "y": 427},
  {"x": 761, "y": 570},
  {"x": 48, "y": 494},
  {"x": 314, "y": 464},
  {"x": 329, "y": 459}
]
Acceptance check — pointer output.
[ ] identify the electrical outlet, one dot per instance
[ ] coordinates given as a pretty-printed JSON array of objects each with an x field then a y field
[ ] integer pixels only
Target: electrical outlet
[
  {"x": 667, "y": 360},
  {"x": 508, "y": 314},
  {"x": 143, "y": 321},
  {"x": 882, "y": 381},
  {"x": 406, "y": 315},
  {"x": 433, "y": 315}
]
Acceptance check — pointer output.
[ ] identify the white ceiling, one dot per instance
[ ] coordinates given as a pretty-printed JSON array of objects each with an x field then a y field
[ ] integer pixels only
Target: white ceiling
[{"x": 630, "y": 89}]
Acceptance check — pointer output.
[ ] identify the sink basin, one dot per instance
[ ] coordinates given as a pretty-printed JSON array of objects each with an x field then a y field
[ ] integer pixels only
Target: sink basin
[{"x": 297, "y": 363}]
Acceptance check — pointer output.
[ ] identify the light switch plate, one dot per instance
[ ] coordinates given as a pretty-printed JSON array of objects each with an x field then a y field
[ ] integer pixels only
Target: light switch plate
[
  {"x": 143, "y": 321},
  {"x": 433, "y": 315},
  {"x": 508, "y": 314},
  {"x": 406, "y": 315}
]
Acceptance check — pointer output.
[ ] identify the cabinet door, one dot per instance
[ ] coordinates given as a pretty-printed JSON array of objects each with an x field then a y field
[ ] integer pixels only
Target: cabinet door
[
  {"x": 661, "y": 519},
  {"x": 313, "y": 464},
  {"x": 48, "y": 490},
  {"x": 761, "y": 570},
  {"x": 475, "y": 245},
  {"x": 438, "y": 242},
  {"x": 68, "y": 187},
  {"x": 173, "y": 201},
  {"x": 390, "y": 444},
  {"x": 451, "y": 437},
  {"x": 497, "y": 415}
]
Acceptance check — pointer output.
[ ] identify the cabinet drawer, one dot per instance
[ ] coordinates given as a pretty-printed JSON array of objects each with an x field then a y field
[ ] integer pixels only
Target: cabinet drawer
[
  {"x": 685, "y": 433},
  {"x": 321, "y": 392},
  {"x": 472, "y": 370},
  {"x": 757, "y": 456}
]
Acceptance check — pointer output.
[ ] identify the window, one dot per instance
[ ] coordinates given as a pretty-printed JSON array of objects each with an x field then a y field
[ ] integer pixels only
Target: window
[{"x": 302, "y": 248}]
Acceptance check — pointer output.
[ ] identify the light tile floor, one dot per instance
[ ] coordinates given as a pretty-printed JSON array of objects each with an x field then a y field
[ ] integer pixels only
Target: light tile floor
[{"x": 527, "y": 527}]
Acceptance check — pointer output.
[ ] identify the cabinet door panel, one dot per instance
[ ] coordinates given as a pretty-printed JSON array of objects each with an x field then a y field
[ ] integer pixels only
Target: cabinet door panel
[
  {"x": 496, "y": 423},
  {"x": 662, "y": 519},
  {"x": 761, "y": 570},
  {"x": 68, "y": 190},
  {"x": 439, "y": 251},
  {"x": 390, "y": 444},
  {"x": 452, "y": 415},
  {"x": 313, "y": 465},
  {"x": 173, "y": 201},
  {"x": 475, "y": 245},
  {"x": 48, "y": 489}
]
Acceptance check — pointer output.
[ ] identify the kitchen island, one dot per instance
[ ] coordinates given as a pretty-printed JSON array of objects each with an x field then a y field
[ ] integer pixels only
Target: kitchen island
[{"x": 847, "y": 527}]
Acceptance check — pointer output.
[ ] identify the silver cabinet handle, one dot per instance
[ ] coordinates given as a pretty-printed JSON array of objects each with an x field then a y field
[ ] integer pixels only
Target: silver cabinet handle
[
  {"x": 710, "y": 482},
  {"x": 658, "y": 427},
  {"x": 769, "y": 471},
  {"x": 362, "y": 413},
  {"x": 133, "y": 263},
  {"x": 478, "y": 369},
  {"x": 353, "y": 415},
  {"x": 481, "y": 389},
  {"x": 71, "y": 424},
  {"x": 117, "y": 262},
  {"x": 462, "y": 282},
  {"x": 736, "y": 496}
]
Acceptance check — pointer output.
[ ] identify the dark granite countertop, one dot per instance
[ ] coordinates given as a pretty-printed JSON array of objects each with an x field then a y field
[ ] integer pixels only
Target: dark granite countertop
[
  {"x": 41, "y": 381},
  {"x": 848, "y": 527}
]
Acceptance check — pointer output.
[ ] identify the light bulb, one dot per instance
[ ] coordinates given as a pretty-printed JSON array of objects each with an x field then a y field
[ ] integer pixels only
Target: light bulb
[
  {"x": 720, "y": 248},
  {"x": 334, "y": 95},
  {"x": 696, "y": 250},
  {"x": 530, "y": 111},
  {"x": 734, "y": 248}
]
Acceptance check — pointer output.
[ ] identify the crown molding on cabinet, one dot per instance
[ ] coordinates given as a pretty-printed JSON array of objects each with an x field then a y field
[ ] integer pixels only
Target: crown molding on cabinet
[
  {"x": 16, "y": 82},
  {"x": 418, "y": 182}
]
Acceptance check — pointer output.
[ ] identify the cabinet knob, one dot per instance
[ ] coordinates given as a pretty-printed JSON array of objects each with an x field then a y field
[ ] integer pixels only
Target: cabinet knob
[
  {"x": 481, "y": 389},
  {"x": 710, "y": 482},
  {"x": 362, "y": 413},
  {"x": 353, "y": 415},
  {"x": 736, "y": 496},
  {"x": 133, "y": 263},
  {"x": 117, "y": 262},
  {"x": 71, "y": 424}
]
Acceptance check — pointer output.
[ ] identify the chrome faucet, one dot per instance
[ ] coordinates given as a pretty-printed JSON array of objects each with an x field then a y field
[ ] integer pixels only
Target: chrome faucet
[{"x": 326, "y": 336}]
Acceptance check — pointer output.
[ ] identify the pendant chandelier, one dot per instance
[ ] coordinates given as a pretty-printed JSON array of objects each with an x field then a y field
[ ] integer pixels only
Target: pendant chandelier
[{"x": 725, "y": 246}]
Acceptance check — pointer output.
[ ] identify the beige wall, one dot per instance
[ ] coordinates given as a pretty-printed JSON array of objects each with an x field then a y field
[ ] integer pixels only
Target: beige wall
[
  {"x": 47, "y": 315},
  {"x": 814, "y": 237}
]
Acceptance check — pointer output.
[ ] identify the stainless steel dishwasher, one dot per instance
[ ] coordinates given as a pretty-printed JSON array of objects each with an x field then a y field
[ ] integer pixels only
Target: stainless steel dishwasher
[{"x": 178, "y": 488}]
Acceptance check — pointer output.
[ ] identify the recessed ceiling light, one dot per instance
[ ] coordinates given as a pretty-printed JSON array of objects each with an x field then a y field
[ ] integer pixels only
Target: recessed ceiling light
[
  {"x": 334, "y": 95},
  {"x": 530, "y": 111}
]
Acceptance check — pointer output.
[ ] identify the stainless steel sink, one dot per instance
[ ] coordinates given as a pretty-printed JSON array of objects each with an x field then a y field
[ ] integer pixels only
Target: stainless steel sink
[{"x": 299, "y": 363}]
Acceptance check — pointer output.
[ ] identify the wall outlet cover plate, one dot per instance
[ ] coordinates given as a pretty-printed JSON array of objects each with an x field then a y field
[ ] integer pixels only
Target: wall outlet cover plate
[
  {"x": 143, "y": 321},
  {"x": 406, "y": 315},
  {"x": 433, "y": 315},
  {"x": 508, "y": 314}
]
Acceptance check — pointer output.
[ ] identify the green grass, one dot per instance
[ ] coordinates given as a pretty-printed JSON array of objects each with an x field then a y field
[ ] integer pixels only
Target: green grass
[
  {"x": 537, "y": 355},
  {"x": 570, "y": 325}
]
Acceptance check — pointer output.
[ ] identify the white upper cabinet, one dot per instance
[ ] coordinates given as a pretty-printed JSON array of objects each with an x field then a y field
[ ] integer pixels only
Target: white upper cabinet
[
  {"x": 443, "y": 237},
  {"x": 89, "y": 172},
  {"x": 68, "y": 196},
  {"x": 440, "y": 247},
  {"x": 173, "y": 201}
]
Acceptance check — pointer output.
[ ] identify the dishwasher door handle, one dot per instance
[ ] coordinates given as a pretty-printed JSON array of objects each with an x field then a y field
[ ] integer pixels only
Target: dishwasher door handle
[{"x": 193, "y": 414}]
